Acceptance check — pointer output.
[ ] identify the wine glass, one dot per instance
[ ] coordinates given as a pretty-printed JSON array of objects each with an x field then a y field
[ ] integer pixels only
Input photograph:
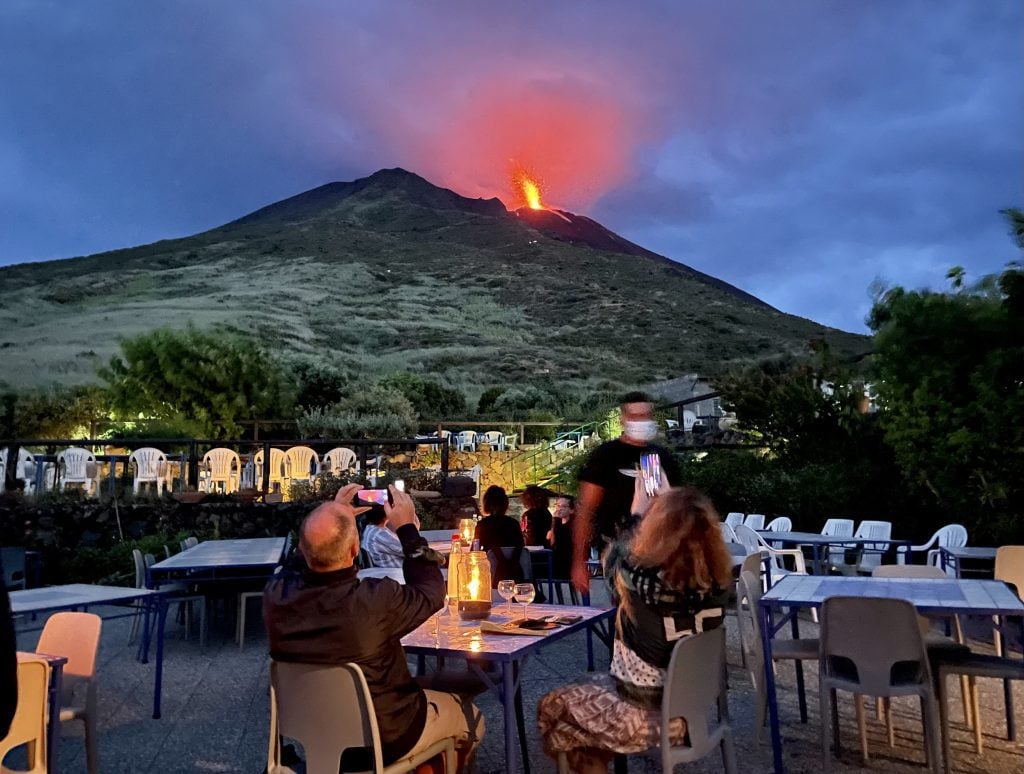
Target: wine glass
[
  {"x": 452, "y": 603},
  {"x": 525, "y": 594},
  {"x": 507, "y": 590}
]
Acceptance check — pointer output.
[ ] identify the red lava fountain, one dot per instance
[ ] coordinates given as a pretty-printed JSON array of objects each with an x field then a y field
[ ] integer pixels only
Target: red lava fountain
[{"x": 526, "y": 188}]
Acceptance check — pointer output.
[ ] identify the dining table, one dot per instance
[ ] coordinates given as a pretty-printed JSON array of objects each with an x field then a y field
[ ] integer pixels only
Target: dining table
[
  {"x": 953, "y": 596},
  {"x": 82, "y": 596},
  {"x": 953, "y": 557},
  {"x": 507, "y": 652},
  {"x": 215, "y": 560}
]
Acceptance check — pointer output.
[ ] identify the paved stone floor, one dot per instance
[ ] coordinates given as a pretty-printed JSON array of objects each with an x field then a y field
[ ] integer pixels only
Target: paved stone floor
[{"x": 215, "y": 713}]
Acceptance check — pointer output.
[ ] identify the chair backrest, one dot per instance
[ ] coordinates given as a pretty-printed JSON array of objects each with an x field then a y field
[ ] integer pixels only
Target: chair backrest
[
  {"x": 734, "y": 519},
  {"x": 511, "y": 441},
  {"x": 748, "y": 538},
  {"x": 191, "y": 541},
  {"x": 140, "y": 568},
  {"x": 695, "y": 689},
  {"x": 749, "y": 587},
  {"x": 874, "y": 529},
  {"x": 327, "y": 709},
  {"x": 728, "y": 533},
  {"x": 951, "y": 536},
  {"x": 341, "y": 459},
  {"x": 1010, "y": 567},
  {"x": 147, "y": 463},
  {"x": 76, "y": 636},
  {"x": 493, "y": 437},
  {"x": 754, "y": 521},
  {"x": 74, "y": 459},
  {"x": 865, "y": 656},
  {"x": 754, "y": 564},
  {"x": 29, "y": 723},
  {"x": 466, "y": 436},
  {"x": 220, "y": 461},
  {"x": 780, "y": 524},
  {"x": 276, "y": 464},
  {"x": 299, "y": 462},
  {"x": 838, "y": 527}
]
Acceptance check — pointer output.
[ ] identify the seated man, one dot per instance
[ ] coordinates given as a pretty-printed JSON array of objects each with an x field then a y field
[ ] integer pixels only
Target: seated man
[
  {"x": 382, "y": 545},
  {"x": 320, "y": 612}
]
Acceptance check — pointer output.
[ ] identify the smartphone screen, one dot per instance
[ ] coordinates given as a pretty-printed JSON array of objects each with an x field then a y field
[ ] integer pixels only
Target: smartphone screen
[
  {"x": 378, "y": 496},
  {"x": 650, "y": 470}
]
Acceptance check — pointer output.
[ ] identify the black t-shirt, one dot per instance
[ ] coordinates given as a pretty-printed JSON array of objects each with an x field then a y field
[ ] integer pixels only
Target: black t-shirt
[
  {"x": 496, "y": 532},
  {"x": 604, "y": 469},
  {"x": 536, "y": 523}
]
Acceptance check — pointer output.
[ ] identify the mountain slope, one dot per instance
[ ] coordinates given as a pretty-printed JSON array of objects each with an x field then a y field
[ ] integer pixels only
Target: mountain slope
[{"x": 392, "y": 273}]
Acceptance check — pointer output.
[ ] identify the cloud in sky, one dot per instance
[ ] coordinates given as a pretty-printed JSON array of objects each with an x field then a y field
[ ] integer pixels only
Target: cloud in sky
[{"x": 800, "y": 150}]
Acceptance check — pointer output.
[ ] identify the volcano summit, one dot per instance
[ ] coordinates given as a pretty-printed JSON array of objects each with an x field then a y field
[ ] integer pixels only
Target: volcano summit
[{"x": 391, "y": 273}]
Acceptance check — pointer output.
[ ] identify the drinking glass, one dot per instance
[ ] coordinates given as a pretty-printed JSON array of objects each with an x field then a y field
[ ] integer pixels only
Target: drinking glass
[
  {"x": 525, "y": 594},
  {"x": 507, "y": 590},
  {"x": 452, "y": 603}
]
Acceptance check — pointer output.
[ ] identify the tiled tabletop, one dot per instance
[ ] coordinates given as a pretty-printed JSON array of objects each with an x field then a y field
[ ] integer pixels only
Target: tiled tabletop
[
  {"x": 251, "y": 552},
  {"x": 72, "y": 595}
]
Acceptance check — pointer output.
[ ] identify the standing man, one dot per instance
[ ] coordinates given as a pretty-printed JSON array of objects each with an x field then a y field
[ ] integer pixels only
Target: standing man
[
  {"x": 321, "y": 612},
  {"x": 607, "y": 481}
]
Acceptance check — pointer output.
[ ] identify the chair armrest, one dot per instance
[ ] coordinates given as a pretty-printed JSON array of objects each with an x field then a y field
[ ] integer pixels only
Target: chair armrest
[{"x": 796, "y": 553}]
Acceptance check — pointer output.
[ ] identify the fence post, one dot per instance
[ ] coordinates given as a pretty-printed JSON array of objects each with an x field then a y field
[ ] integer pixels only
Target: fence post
[
  {"x": 266, "y": 468},
  {"x": 193, "y": 465},
  {"x": 444, "y": 457}
]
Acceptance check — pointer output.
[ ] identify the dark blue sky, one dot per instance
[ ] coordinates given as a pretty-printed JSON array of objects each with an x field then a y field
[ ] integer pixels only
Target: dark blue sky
[{"x": 801, "y": 150}]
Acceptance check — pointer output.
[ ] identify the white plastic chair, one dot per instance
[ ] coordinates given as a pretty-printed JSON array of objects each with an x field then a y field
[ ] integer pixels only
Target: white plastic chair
[
  {"x": 494, "y": 439},
  {"x": 869, "y": 555},
  {"x": 754, "y": 521},
  {"x": 728, "y": 533},
  {"x": 74, "y": 463},
  {"x": 220, "y": 466},
  {"x": 150, "y": 468},
  {"x": 510, "y": 442},
  {"x": 750, "y": 588},
  {"x": 950, "y": 536},
  {"x": 277, "y": 468},
  {"x": 178, "y": 592},
  {"x": 695, "y": 689},
  {"x": 301, "y": 463},
  {"x": 25, "y": 470},
  {"x": 466, "y": 441},
  {"x": 836, "y": 528},
  {"x": 328, "y": 709},
  {"x": 340, "y": 458},
  {"x": 76, "y": 636},
  {"x": 28, "y": 727},
  {"x": 755, "y": 543},
  {"x": 734, "y": 519},
  {"x": 780, "y": 524},
  {"x": 863, "y": 659}
]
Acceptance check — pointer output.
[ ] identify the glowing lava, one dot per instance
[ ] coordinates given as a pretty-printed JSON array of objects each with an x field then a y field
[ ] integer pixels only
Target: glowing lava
[{"x": 528, "y": 188}]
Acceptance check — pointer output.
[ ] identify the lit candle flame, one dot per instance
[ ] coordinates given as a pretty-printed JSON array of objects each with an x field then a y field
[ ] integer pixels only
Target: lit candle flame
[{"x": 474, "y": 583}]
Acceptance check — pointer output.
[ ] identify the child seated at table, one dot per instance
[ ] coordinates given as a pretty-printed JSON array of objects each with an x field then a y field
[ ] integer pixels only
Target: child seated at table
[{"x": 670, "y": 579}]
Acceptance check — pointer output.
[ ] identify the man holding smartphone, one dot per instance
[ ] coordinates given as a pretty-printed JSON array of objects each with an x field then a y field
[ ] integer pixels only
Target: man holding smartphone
[
  {"x": 321, "y": 612},
  {"x": 608, "y": 478}
]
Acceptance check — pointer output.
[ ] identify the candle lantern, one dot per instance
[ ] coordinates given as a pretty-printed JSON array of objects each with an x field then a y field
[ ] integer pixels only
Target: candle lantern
[
  {"x": 469, "y": 581},
  {"x": 467, "y": 528}
]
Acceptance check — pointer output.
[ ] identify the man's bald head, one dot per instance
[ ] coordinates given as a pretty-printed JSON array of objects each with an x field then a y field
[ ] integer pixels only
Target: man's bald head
[{"x": 328, "y": 537}]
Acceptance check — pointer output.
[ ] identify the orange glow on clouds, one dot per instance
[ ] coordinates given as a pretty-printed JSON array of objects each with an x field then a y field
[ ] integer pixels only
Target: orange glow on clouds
[{"x": 556, "y": 142}]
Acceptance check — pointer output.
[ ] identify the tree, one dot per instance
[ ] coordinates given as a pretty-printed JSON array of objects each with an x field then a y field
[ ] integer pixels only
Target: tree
[
  {"x": 951, "y": 382},
  {"x": 58, "y": 412},
  {"x": 376, "y": 413},
  {"x": 430, "y": 399},
  {"x": 209, "y": 379}
]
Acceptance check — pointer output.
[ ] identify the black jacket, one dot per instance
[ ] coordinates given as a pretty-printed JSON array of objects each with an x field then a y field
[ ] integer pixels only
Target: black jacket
[{"x": 336, "y": 618}]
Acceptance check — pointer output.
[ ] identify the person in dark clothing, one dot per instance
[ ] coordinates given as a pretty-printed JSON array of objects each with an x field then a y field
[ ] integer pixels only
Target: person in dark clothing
[
  {"x": 497, "y": 530},
  {"x": 607, "y": 479},
  {"x": 8, "y": 661},
  {"x": 320, "y": 612},
  {"x": 561, "y": 535},
  {"x": 536, "y": 518}
]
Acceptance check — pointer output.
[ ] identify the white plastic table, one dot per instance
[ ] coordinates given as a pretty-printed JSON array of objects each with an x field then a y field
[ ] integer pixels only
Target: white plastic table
[
  {"x": 510, "y": 652},
  {"x": 952, "y": 556},
  {"x": 216, "y": 558},
  {"x": 946, "y": 596},
  {"x": 82, "y": 596}
]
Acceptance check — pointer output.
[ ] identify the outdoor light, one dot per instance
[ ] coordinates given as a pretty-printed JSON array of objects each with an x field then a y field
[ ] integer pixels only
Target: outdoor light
[
  {"x": 469, "y": 581},
  {"x": 467, "y": 528}
]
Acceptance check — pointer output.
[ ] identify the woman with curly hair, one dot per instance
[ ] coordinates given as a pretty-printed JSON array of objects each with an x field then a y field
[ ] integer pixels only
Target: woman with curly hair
[{"x": 671, "y": 580}]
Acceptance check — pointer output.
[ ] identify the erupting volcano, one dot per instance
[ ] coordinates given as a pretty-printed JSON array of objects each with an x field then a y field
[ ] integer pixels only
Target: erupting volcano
[{"x": 527, "y": 189}]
